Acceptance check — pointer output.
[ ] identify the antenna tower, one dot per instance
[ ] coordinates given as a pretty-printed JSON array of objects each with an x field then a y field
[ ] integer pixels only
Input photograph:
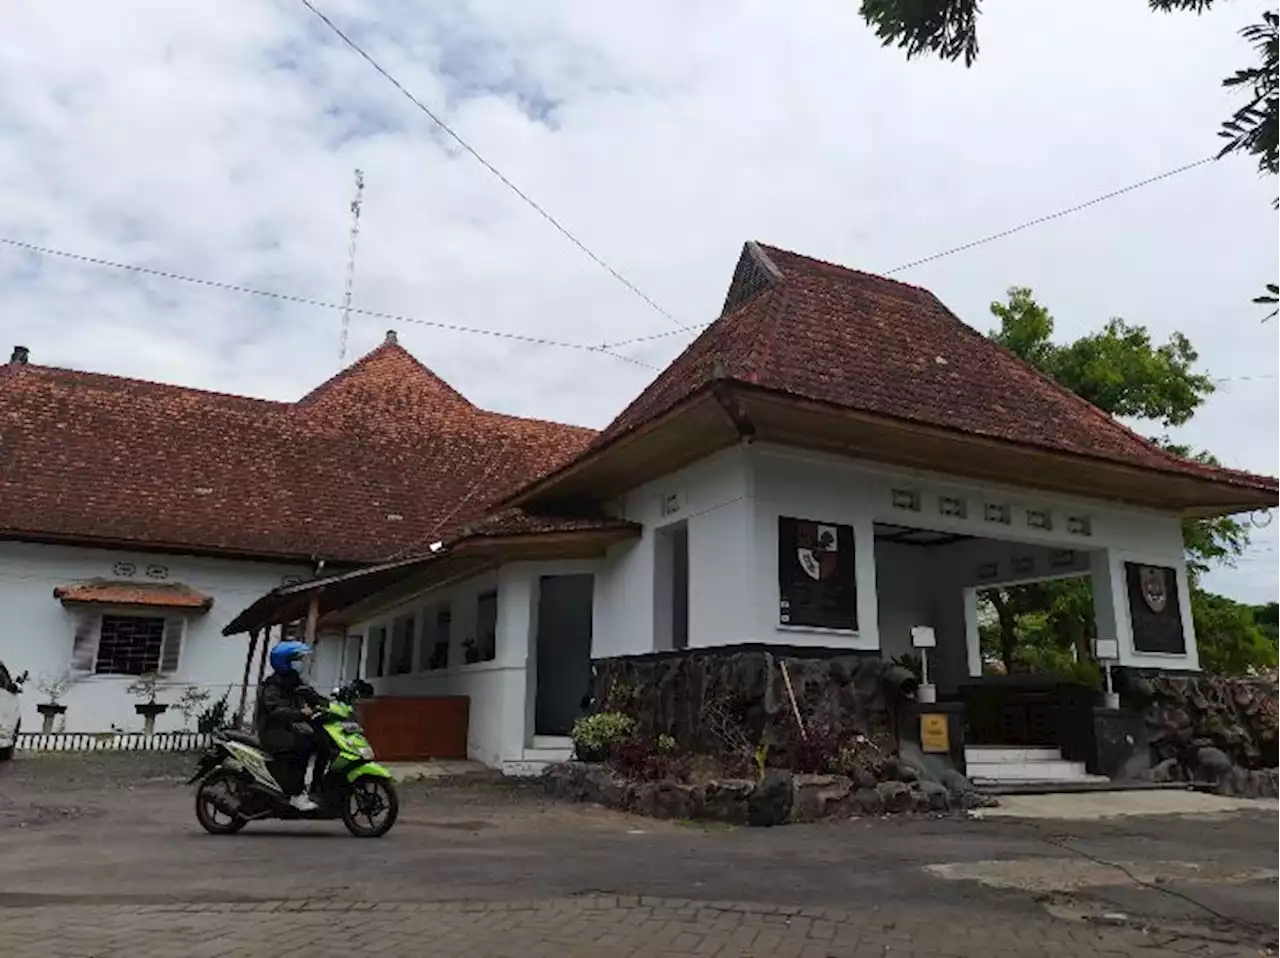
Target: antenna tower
[{"x": 351, "y": 264}]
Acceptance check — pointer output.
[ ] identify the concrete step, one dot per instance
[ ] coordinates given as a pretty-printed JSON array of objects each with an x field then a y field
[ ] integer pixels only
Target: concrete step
[
  {"x": 552, "y": 742},
  {"x": 1042, "y": 771},
  {"x": 1013, "y": 754}
]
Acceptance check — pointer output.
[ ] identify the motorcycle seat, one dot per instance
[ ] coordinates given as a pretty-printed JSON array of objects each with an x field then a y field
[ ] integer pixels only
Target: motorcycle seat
[{"x": 244, "y": 738}]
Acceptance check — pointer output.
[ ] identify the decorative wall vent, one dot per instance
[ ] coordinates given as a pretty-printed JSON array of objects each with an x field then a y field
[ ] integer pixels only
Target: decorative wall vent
[
  {"x": 996, "y": 512},
  {"x": 1040, "y": 519},
  {"x": 157, "y": 572},
  {"x": 1063, "y": 559},
  {"x": 672, "y": 502},
  {"x": 988, "y": 571},
  {"x": 907, "y": 499},
  {"x": 952, "y": 506},
  {"x": 1080, "y": 525},
  {"x": 124, "y": 570},
  {"x": 1024, "y": 565}
]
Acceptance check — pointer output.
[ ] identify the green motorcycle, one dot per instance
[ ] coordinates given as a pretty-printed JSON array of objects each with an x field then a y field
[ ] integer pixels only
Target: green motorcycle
[{"x": 237, "y": 785}]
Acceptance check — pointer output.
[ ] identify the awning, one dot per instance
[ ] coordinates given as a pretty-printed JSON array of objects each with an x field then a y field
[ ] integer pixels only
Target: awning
[
  {"x": 166, "y": 595},
  {"x": 350, "y": 597}
]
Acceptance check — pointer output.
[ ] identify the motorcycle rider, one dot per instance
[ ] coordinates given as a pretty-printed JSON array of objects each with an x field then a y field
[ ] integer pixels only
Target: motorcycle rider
[{"x": 285, "y": 706}]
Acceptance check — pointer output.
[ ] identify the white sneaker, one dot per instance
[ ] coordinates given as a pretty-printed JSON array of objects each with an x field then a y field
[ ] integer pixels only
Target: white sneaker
[{"x": 302, "y": 803}]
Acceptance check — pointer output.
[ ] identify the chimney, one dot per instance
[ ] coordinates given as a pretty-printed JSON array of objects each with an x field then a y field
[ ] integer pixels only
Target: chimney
[
  {"x": 20, "y": 355},
  {"x": 391, "y": 337}
]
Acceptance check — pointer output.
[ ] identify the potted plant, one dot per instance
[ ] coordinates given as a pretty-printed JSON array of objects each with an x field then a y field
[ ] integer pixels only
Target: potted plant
[
  {"x": 470, "y": 652},
  {"x": 146, "y": 688},
  {"x": 54, "y": 687},
  {"x": 191, "y": 703}
]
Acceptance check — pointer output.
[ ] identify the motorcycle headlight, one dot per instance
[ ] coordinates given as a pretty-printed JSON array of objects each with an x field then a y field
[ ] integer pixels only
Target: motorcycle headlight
[{"x": 366, "y": 752}]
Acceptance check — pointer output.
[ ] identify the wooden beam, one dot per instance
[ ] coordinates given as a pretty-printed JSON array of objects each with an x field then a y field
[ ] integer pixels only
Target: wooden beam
[
  {"x": 244, "y": 685},
  {"x": 262, "y": 658},
  {"x": 313, "y": 617}
]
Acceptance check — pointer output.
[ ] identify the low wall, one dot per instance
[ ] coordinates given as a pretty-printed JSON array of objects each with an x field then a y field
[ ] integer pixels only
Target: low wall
[{"x": 670, "y": 693}]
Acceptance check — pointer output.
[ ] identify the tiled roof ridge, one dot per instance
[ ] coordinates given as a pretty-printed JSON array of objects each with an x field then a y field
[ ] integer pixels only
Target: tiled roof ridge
[
  {"x": 90, "y": 378},
  {"x": 824, "y": 265},
  {"x": 388, "y": 346}
]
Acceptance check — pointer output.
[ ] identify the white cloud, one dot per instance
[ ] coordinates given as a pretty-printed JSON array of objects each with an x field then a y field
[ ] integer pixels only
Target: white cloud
[{"x": 218, "y": 139}]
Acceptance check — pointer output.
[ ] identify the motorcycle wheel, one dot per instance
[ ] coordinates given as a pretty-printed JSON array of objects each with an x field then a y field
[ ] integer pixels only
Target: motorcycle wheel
[
  {"x": 369, "y": 807},
  {"x": 211, "y": 818}
]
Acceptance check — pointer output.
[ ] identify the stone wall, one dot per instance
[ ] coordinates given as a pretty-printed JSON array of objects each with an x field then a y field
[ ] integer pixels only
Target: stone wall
[
  {"x": 673, "y": 693},
  {"x": 1188, "y": 714}
]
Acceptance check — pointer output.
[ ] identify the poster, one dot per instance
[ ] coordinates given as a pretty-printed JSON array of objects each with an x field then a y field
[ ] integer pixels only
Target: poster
[
  {"x": 1154, "y": 609},
  {"x": 817, "y": 585}
]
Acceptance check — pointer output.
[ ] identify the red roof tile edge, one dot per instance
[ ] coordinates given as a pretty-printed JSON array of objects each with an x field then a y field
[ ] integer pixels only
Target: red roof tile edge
[{"x": 173, "y": 595}]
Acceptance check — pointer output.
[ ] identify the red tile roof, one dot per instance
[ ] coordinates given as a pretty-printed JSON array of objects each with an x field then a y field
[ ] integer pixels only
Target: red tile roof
[
  {"x": 818, "y": 331},
  {"x": 382, "y": 459},
  {"x": 169, "y": 595}
]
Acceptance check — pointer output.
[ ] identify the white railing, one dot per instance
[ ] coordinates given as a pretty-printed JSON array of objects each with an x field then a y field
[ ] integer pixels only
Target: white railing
[{"x": 111, "y": 742}]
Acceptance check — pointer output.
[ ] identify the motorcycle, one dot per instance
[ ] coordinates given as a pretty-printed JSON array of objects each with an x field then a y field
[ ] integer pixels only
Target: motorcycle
[{"x": 237, "y": 785}]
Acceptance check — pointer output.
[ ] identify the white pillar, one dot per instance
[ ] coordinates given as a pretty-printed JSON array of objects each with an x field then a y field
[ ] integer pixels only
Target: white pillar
[
  {"x": 972, "y": 637},
  {"x": 517, "y": 622},
  {"x": 1111, "y": 618}
]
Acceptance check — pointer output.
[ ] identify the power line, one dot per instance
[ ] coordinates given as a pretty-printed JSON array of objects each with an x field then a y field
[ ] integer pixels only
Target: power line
[
  {"x": 1053, "y": 216},
  {"x": 533, "y": 204},
  {"x": 317, "y": 303},
  {"x": 978, "y": 242}
]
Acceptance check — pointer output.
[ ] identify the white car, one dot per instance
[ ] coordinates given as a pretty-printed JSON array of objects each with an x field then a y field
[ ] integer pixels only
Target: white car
[{"x": 10, "y": 712}]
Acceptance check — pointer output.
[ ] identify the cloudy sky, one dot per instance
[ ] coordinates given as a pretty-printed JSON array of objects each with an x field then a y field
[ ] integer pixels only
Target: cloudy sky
[{"x": 218, "y": 138}]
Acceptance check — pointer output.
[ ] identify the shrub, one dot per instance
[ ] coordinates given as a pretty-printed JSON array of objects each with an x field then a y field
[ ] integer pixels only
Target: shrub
[
  {"x": 815, "y": 752},
  {"x": 595, "y": 736},
  {"x": 646, "y": 761},
  {"x": 863, "y": 754}
]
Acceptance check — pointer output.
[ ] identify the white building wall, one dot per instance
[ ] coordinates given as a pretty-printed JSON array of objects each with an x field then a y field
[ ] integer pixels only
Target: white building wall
[
  {"x": 500, "y": 691},
  {"x": 37, "y": 632},
  {"x": 713, "y": 498},
  {"x": 732, "y": 501}
]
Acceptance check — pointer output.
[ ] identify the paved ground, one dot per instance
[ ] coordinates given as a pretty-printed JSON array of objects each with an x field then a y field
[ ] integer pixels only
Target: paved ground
[{"x": 91, "y": 867}]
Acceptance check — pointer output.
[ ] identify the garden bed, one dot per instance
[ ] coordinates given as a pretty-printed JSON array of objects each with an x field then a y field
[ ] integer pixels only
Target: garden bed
[{"x": 778, "y": 797}]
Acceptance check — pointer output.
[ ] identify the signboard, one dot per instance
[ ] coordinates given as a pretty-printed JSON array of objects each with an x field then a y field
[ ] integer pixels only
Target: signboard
[
  {"x": 817, "y": 584},
  {"x": 1154, "y": 609},
  {"x": 922, "y": 637},
  {"x": 1106, "y": 650},
  {"x": 935, "y": 735}
]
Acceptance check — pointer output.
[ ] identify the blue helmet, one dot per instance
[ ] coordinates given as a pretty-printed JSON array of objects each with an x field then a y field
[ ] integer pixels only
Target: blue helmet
[{"x": 286, "y": 653}]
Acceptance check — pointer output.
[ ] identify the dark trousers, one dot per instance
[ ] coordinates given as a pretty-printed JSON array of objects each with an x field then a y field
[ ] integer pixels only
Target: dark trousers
[{"x": 290, "y": 769}]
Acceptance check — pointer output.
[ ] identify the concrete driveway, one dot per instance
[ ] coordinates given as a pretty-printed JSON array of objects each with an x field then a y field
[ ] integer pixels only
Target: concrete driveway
[{"x": 101, "y": 856}]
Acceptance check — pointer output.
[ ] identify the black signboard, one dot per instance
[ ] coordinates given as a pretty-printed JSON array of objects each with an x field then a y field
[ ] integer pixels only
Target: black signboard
[
  {"x": 1155, "y": 609},
  {"x": 817, "y": 581}
]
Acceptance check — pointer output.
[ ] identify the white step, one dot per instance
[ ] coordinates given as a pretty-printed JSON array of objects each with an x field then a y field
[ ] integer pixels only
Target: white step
[
  {"x": 552, "y": 742},
  {"x": 1017, "y": 755},
  {"x": 1042, "y": 771}
]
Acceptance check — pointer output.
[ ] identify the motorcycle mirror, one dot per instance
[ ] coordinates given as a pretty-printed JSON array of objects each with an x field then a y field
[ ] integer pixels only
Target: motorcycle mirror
[{"x": 334, "y": 693}]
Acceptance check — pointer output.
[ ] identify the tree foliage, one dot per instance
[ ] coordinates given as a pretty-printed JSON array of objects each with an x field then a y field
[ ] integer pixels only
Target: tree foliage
[
  {"x": 1041, "y": 626},
  {"x": 949, "y": 29}
]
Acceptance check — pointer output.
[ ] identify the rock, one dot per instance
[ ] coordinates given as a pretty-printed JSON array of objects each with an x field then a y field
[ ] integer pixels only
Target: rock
[
  {"x": 977, "y": 799},
  {"x": 862, "y": 778},
  {"x": 606, "y": 787},
  {"x": 816, "y": 796},
  {"x": 566, "y": 780},
  {"x": 955, "y": 783},
  {"x": 665, "y": 800},
  {"x": 1166, "y": 771},
  {"x": 896, "y": 796},
  {"x": 1212, "y": 764},
  {"x": 770, "y": 801},
  {"x": 726, "y": 800},
  {"x": 937, "y": 798},
  {"x": 868, "y": 801},
  {"x": 896, "y": 770}
]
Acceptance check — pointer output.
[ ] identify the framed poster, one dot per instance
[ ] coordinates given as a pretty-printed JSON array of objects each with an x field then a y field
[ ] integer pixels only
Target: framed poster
[
  {"x": 817, "y": 581},
  {"x": 1154, "y": 609}
]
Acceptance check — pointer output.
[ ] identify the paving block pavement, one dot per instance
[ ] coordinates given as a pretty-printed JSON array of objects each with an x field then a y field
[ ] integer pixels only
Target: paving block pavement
[{"x": 591, "y": 927}]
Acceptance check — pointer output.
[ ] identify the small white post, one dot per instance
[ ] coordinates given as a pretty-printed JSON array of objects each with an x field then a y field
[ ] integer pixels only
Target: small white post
[
  {"x": 1107, "y": 651},
  {"x": 923, "y": 638}
]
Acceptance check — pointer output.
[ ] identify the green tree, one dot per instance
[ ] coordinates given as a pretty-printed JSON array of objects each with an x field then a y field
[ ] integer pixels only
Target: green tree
[
  {"x": 949, "y": 29},
  {"x": 1229, "y": 638},
  {"x": 1122, "y": 372}
]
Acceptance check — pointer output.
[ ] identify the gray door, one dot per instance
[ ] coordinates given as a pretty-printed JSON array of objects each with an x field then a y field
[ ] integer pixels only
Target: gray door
[{"x": 564, "y": 652}]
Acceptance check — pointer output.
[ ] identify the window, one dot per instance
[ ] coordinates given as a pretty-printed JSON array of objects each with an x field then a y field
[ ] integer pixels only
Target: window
[
  {"x": 484, "y": 648},
  {"x": 401, "y": 658},
  {"x": 377, "y": 650},
  {"x": 137, "y": 644},
  {"x": 436, "y": 640}
]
